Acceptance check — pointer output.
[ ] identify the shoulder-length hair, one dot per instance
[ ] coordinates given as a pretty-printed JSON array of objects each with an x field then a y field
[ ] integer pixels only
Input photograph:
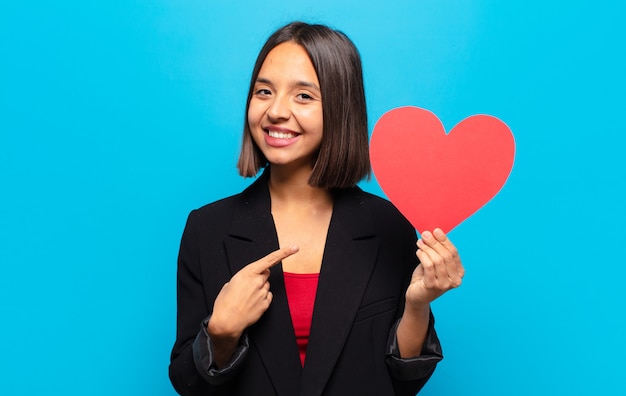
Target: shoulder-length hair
[{"x": 343, "y": 158}]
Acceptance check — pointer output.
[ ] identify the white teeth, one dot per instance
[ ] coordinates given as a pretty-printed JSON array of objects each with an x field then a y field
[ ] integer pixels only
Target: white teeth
[{"x": 281, "y": 135}]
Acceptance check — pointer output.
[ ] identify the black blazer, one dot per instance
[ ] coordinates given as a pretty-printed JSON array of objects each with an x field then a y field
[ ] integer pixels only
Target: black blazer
[{"x": 367, "y": 265}]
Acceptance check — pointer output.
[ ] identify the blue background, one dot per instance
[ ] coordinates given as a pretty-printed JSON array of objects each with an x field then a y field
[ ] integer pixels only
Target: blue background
[{"x": 118, "y": 118}]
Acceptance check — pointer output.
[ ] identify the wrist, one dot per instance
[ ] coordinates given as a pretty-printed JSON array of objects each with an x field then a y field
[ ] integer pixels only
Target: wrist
[
  {"x": 412, "y": 329},
  {"x": 223, "y": 330},
  {"x": 416, "y": 311}
]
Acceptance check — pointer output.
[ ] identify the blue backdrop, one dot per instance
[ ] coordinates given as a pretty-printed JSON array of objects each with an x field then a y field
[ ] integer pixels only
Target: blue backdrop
[{"x": 118, "y": 118}]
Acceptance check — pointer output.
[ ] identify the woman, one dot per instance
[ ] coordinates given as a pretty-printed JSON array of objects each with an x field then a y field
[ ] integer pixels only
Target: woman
[{"x": 303, "y": 284}]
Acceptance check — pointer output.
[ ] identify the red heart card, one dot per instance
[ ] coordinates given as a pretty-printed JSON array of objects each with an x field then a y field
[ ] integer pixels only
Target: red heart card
[{"x": 437, "y": 179}]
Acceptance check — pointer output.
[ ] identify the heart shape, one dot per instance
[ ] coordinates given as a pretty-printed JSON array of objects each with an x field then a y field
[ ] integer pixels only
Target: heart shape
[{"x": 437, "y": 179}]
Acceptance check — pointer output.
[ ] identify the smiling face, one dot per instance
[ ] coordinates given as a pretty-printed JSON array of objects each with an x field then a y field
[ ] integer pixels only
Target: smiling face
[{"x": 285, "y": 113}]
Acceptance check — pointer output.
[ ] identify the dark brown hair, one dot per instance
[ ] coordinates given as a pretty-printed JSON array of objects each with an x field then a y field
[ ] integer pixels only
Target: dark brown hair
[{"x": 343, "y": 158}]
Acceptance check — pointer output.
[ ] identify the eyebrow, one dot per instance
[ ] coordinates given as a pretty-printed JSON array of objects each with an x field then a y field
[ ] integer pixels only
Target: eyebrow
[{"x": 295, "y": 83}]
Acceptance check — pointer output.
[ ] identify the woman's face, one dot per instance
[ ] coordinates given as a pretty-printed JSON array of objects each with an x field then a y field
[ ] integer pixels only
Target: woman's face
[{"x": 285, "y": 112}]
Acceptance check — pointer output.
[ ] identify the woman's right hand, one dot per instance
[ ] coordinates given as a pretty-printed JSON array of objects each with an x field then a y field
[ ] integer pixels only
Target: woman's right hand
[{"x": 243, "y": 299}]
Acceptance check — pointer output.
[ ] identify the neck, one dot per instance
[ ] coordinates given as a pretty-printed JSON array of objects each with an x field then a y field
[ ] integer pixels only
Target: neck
[{"x": 294, "y": 188}]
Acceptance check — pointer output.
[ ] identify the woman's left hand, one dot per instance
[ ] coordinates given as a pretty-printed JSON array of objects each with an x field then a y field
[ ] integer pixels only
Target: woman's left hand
[{"x": 440, "y": 269}]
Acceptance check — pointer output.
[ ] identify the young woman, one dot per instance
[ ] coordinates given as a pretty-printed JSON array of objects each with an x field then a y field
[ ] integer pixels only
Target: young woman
[{"x": 304, "y": 284}]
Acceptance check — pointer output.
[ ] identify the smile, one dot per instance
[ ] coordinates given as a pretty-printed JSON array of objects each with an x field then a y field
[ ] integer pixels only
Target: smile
[{"x": 282, "y": 135}]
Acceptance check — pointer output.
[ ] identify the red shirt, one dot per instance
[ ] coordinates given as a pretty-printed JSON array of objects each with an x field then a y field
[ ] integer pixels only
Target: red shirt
[{"x": 301, "y": 289}]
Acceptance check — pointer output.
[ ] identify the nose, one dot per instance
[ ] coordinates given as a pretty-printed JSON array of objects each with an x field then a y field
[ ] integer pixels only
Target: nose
[{"x": 279, "y": 108}]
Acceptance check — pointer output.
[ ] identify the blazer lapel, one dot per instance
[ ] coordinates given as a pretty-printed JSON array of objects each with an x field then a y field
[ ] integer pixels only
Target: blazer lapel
[
  {"x": 349, "y": 258},
  {"x": 252, "y": 236}
]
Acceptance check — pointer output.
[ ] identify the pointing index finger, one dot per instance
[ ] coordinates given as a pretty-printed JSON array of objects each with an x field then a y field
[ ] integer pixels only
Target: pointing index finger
[{"x": 273, "y": 258}]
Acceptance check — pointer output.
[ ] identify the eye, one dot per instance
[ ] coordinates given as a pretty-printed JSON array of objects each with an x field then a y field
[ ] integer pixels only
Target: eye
[
  {"x": 262, "y": 92},
  {"x": 305, "y": 97}
]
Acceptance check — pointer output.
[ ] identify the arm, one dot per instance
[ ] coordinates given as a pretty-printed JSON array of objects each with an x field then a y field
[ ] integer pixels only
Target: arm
[
  {"x": 210, "y": 341},
  {"x": 440, "y": 270},
  {"x": 240, "y": 303},
  {"x": 413, "y": 347},
  {"x": 192, "y": 367},
  {"x": 191, "y": 310}
]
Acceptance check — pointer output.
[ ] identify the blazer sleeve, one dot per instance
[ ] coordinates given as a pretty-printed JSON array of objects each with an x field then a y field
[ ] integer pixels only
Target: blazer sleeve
[
  {"x": 204, "y": 360},
  {"x": 410, "y": 374},
  {"x": 192, "y": 370},
  {"x": 415, "y": 368}
]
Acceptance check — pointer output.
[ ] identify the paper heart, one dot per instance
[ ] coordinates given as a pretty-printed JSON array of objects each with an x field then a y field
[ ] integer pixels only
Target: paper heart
[{"x": 439, "y": 180}]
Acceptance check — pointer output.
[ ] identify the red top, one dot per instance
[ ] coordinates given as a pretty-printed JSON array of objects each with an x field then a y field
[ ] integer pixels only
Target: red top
[{"x": 301, "y": 289}]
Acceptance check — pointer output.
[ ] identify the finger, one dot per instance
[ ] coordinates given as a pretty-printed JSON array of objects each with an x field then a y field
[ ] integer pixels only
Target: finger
[
  {"x": 266, "y": 287},
  {"x": 437, "y": 275},
  {"x": 428, "y": 247},
  {"x": 445, "y": 269},
  {"x": 441, "y": 251},
  {"x": 272, "y": 259},
  {"x": 433, "y": 263},
  {"x": 435, "y": 244},
  {"x": 441, "y": 245},
  {"x": 428, "y": 267},
  {"x": 443, "y": 239}
]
